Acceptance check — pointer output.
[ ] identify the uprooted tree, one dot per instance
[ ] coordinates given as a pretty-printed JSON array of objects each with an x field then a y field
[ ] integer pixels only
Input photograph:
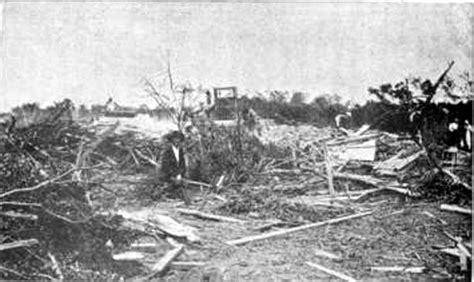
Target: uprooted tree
[{"x": 408, "y": 107}]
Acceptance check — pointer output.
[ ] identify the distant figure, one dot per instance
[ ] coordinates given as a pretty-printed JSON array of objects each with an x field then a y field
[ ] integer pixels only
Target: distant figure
[
  {"x": 343, "y": 119},
  {"x": 173, "y": 166},
  {"x": 468, "y": 135},
  {"x": 454, "y": 138},
  {"x": 251, "y": 120}
]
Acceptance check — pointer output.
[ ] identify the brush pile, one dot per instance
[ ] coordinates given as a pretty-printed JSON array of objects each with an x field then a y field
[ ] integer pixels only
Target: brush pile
[{"x": 47, "y": 221}]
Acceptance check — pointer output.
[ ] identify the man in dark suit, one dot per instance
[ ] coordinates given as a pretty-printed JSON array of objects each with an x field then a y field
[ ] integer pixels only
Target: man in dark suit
[{"x": 173, "y": 166}]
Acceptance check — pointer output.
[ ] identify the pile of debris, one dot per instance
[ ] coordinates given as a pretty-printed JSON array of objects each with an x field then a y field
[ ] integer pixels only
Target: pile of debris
[{"x": 48, "y": 221}]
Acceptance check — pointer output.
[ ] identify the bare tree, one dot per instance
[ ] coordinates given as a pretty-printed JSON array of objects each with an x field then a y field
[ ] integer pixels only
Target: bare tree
[{"x": 173, "y": 102}]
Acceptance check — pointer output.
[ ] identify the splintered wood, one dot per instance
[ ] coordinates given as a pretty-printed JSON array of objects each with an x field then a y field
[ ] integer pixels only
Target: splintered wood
[
  {"x": 330, "y": 271},
  {"x": 165, "y": 261},
  {"x": 294, "y": 229}
]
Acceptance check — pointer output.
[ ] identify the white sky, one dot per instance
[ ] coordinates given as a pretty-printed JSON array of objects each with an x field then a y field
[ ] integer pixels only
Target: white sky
[{"x": 90, "y": 51}]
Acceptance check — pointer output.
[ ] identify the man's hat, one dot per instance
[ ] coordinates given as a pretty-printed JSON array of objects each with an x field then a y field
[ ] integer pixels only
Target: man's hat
[{"x": 175, "y": 135}]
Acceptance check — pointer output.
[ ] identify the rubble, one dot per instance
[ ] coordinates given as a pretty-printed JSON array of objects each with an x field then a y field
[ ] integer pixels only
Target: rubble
[{"x": 288, "y": 179}]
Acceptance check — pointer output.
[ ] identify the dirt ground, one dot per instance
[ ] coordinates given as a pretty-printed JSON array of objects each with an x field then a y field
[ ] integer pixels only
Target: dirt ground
[{"x": 399, "y": 232}]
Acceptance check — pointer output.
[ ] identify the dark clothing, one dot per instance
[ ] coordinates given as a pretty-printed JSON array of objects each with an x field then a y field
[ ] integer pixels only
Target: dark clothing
[{"x": 170, "y": 168}]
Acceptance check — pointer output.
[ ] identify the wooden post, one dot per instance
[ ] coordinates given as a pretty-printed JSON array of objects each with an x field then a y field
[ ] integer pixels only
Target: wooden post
[
  {"x": 327, "y": 161},
  {"x": 294, "y": 229}
]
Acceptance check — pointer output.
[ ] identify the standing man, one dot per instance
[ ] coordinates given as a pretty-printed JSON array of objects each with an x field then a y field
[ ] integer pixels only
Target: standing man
[
  {"x": 343, "y": 118},
  {"x": 173, "y": 166}
]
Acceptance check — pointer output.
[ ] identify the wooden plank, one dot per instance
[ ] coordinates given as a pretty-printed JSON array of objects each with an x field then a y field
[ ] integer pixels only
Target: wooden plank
[
  {"x": 360, "y": 178},
  {"x": 354, "y": 139},
  {"x": 322, "y": 253},
  {"x": 413, "y": 269},
  {"x": 25, "y": 216},
  {"x": 128, "y": 256},
  {"x": 327, "y": 162},
  {"x": 18, "y": 244},
  {"x": 454, "y": 208},
  {"x": 209, "y": 216},
  {"x": 166, "y": 260},
  {"x": 331, "y": 272},
  {"x": 294, "y": 229}
]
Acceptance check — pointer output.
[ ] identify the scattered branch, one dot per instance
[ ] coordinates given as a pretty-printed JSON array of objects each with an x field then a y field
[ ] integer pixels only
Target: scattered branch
[
  {"x": 454, "y": 208},
  {"x": 38, "y": 186},
  {"x": 18, "y": 244}
]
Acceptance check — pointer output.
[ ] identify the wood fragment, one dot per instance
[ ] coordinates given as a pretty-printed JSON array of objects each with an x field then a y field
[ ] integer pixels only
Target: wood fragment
[
  {"x": 401, "y": 191},
  {"x": 152, "y": 162},
  {"x": 329, "y": 172},
  {"x": 159, "y": 222},
  {"x": 360, "y": 178},
  {"x": 18, "y": 244},
  {"x": 128, "y": 256},
  {"x": 165, "y": 261},
  {"x": 414, "y": 269},
  {"x": 38, "y": 186},
  {"x": 14, "y": 214},
  {"x": 209, "y": 216},
  {"x": 459, "y": 243},
  {"x": 294, "y": 229},
  {"x": 453, "y": 208},
  {"x": 354, "y": 139},
  {"x": 331, "y": 272},
  {"x": 456, "y": 179},
  {"x": 173, "y": 242},
  {"x": 185, "y": 265},
  {"x": 144, "y": 247},
  {"x": 21, "y": 204},
  {"x": 56, "y": 267},
  {"x": 451, "y": 251},
  {"x": 322, "y": 253}
]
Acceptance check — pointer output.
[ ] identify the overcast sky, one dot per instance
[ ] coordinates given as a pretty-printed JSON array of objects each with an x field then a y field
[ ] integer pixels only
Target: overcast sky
[{"x": 90, "y": 51}]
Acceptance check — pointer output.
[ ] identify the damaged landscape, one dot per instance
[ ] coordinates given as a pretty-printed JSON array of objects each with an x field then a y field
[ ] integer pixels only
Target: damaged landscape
[
  {"x": 81, "y": 199},
  {"x": 272, "y": 185}
]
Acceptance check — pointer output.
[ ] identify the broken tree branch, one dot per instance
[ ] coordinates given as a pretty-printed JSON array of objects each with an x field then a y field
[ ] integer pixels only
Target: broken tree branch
[
  {"x": 294, "y": 229},
  {"x": 456, "y": 179},
  {"x": 38, "y": 186},
  {"x": 18, "y": 244}
]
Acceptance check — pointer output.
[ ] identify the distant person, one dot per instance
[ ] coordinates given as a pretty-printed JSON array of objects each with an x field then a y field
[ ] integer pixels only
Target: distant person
[
  {"x": 173, "y": 166},
  {"x": 467, "y": 135},
  {"x": 343, "y": 119},
  {"x": 454, "y": 137},
  {"x": 251, "y": 120}
]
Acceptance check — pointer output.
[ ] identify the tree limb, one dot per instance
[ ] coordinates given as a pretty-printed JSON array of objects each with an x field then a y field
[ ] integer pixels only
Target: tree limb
[{"x": 38, "y": 186}]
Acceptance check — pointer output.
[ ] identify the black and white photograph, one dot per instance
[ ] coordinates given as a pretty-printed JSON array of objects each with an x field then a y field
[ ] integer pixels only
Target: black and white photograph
[{"x": 236, "y": 141}]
